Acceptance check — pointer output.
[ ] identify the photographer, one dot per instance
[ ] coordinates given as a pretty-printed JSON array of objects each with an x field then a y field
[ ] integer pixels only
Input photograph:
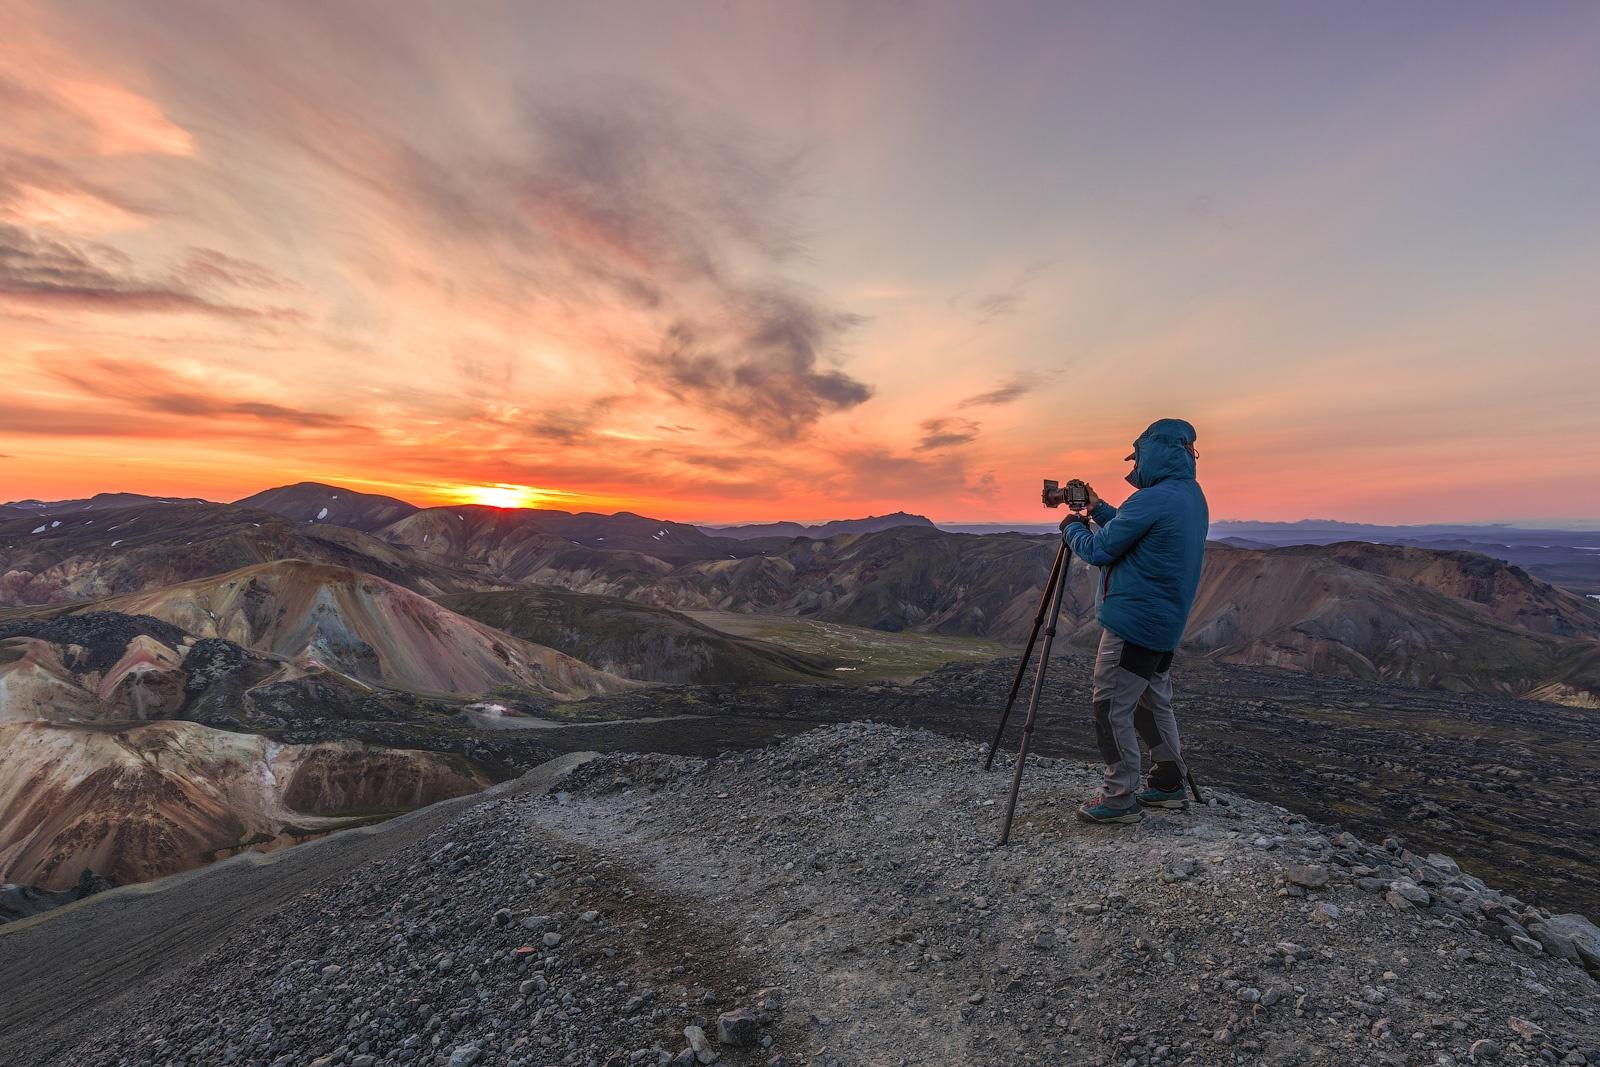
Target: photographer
[{"x": 1149, "y": 553}]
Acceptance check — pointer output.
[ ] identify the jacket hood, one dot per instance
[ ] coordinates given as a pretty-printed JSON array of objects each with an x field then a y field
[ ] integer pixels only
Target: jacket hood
[{"x": 1160, "y": 453}]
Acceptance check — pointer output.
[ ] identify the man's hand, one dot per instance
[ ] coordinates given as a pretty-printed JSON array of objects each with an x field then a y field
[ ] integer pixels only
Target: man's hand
[
  {"x": 1094, "y": 497},
  {"x": 1074, "y": 517}
]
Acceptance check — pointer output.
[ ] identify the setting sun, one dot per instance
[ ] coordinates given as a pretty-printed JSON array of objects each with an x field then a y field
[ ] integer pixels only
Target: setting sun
[{"x": 506, "y": 495}]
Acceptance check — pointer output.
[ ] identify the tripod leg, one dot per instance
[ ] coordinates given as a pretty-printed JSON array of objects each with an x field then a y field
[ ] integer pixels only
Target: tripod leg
[
  {"x": 1056, "y": 575},
  {"x": 1033, "y": 700}
]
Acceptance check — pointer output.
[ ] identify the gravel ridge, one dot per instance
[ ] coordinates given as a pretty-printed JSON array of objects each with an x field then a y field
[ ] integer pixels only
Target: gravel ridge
[{"x": 837, "y": 899}]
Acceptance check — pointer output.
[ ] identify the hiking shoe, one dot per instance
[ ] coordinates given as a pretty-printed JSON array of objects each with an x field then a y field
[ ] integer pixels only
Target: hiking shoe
[
  {"x": 1163, "y": 798},
  {"x": 1098, "y": 811}
]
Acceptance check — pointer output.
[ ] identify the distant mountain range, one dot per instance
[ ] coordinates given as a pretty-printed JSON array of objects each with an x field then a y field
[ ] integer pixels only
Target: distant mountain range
[
  {"x": 98, "y": 502},
  {"x": 1568, "y": 558},
  {"x": 821, "y": 531},
  {"x": 181, "y": 630},
  {"x": 350, "y": 599}
]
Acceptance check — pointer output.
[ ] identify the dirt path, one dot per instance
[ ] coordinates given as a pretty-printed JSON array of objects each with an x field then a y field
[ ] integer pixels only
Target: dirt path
[
  {"x": 65, "y": 971},
  {"x": 858, "y": 869}
]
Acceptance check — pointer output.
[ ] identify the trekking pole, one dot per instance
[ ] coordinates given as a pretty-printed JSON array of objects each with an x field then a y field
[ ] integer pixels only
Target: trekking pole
[
  {"x": 1038, "y": 688},
  {"x": 1189, "y": 776},
  {"x": 1022, "y": 667}
]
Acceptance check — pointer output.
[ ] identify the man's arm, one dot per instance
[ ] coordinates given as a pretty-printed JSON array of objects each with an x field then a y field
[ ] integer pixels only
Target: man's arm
[{"x": 1114, "y": 538}]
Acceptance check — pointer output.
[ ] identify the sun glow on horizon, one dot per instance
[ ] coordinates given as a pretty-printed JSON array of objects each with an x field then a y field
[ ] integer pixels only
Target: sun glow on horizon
[{"x": 508, "y": 495}]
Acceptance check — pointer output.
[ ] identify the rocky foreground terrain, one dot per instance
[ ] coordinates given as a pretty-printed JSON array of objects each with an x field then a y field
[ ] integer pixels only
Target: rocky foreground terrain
[
  {"x": 1509, "y": 787},
  {"x": 837, "y": 898}
]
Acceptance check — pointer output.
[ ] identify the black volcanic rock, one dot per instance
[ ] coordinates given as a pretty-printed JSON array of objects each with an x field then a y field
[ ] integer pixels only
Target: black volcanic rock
[{"x": 104, "y": 635}]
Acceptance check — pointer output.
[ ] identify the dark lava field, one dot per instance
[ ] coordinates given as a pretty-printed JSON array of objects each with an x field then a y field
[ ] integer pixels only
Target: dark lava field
[{"x": 1510, "y": 787}]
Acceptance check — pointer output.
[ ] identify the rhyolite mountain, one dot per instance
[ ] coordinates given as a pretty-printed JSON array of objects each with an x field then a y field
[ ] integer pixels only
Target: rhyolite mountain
[
  {"x": 374, "y": 631},
  {"x": 1568, "y": 558},
  {"x": 1447, "y": 620},
  {"x": 332, "y": 504},
  {"x": 106, "y": 767},
  {"x": 138, "y": 801},
  {"x": 92, "y": 667}
]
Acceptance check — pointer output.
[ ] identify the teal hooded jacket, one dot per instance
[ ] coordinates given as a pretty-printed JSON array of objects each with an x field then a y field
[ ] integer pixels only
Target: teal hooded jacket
[{"x": 1149, "y": 550}]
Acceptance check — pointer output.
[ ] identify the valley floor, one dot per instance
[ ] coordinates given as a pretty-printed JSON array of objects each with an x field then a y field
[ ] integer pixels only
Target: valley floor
[{"x": 834, "y": 899}]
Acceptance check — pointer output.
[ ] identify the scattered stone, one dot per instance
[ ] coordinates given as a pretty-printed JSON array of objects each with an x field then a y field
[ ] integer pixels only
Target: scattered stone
[
  {"x": 738, "y": 1028},
  {"x": 1485, "y": 1050},
  {"x": 1529, "y": 1031},
  {"x": 1307, "y": 875}
]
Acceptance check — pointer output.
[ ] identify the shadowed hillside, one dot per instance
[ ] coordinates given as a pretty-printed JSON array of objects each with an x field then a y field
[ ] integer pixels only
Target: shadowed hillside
[
  {"x": 78, "y": 555},
  {"x": 517, "y": 543},
  {"x": 1453, "y": 620},
  {"x": 332, "y": 504},
  {"x": 821, "y": 531},
  {"x": 634, "y": 640}
]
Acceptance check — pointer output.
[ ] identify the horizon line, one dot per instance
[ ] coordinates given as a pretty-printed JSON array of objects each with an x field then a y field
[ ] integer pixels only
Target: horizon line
[{"x": 1564, "y": 525}]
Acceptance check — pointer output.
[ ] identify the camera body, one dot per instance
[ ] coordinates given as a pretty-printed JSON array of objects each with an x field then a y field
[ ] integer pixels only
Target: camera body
[{"x": 1075, "y": 494}]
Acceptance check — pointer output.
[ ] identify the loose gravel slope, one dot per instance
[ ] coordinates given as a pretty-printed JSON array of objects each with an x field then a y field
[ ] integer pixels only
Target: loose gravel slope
[{"x": 836, "y": 899}]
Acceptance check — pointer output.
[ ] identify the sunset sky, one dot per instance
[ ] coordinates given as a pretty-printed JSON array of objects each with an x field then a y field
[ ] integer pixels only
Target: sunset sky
[{"x": 800, "y": 260}]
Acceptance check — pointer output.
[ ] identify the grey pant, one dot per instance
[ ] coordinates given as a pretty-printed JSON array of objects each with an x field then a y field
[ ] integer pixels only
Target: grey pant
[{"x": 1132, "y": 701}]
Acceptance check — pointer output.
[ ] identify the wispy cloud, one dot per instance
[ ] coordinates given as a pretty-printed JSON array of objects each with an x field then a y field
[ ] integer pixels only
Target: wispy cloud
[
  {"x": 993, "y": 304},
  {"x": 60, "y": 272},
  {"x": 1007, "y": 392},
  {"x": 947, "y": 432},
  {"x": 130, "y": 383}
]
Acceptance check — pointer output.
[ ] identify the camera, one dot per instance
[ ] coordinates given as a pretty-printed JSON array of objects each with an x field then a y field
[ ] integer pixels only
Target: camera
[{"x": 1075, "y": 494}]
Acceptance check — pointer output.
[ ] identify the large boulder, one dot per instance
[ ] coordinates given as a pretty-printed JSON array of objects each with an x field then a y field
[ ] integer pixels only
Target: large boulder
[{"x": 1575, "y": 938}]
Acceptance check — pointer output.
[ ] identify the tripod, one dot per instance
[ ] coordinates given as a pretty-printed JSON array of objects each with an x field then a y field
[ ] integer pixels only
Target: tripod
[{"x": 1049, "y": 608}]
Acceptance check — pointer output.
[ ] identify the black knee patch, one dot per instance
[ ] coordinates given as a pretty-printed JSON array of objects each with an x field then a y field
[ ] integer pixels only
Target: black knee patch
[
  {"x": 1165, "y": 776},
  {"x": 1104, "y": 738},
  {"x": 1145, "y": 662},
  {"x": 1144, "y": 720}
]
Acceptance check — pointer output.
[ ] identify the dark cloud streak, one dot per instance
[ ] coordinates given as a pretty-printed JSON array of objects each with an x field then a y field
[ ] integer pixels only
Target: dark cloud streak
[
  {"x": 947, "y": 433},
  {"x": 81, "y": 274},
  {"x": 1005, "y": 393},
  {"x": 110, "y": 379}
]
